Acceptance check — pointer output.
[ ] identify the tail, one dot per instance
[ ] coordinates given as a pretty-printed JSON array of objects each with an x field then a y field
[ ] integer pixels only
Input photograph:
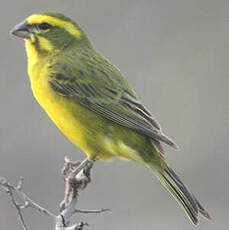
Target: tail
[{"x": 185, "y": 198}]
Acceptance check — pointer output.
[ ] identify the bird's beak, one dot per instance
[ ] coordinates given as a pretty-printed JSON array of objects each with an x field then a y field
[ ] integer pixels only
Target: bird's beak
[{"x": 21, "y": 31}]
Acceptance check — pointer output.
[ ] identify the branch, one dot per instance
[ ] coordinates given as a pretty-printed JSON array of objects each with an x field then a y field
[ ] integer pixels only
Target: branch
[
  {"x": 76, "y": 177},
  {"x": 92, "y": 211},
  {"x": 9, "y": 190}
]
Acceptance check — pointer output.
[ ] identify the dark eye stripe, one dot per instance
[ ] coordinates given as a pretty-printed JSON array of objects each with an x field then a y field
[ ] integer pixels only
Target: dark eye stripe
[{"x": 44, "y": 26}]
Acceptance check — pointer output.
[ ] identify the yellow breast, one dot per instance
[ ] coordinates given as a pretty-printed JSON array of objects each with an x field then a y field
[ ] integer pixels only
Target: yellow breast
[{"x": 60, "y": 109}]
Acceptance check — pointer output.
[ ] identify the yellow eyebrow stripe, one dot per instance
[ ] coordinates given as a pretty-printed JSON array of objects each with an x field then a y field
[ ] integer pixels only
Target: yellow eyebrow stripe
[{"x": 39, "y": 18}]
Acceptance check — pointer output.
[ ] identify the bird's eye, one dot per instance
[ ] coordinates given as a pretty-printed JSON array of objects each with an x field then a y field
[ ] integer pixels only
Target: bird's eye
[{"x": 44, "y": 26}]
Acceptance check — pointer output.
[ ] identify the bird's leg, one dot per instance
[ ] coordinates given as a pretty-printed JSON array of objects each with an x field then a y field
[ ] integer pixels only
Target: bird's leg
[{"x": 76, "y": 177}]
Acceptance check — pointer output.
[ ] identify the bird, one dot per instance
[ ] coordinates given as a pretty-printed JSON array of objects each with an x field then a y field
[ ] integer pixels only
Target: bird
[{"x": 90, "y": 101}]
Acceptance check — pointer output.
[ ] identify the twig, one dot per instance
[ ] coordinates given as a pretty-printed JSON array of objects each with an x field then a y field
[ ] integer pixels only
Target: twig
[
  {"x": 92, "y": 211},
  {"x": 9, "y": 191},
  {"x": 76, "y": 177}
]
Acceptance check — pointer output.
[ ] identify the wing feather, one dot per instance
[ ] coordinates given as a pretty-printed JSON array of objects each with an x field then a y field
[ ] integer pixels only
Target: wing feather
[{"x": 118, "y": 105}]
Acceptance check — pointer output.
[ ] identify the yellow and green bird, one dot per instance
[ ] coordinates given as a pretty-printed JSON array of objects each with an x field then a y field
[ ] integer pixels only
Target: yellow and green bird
[{"x": 90, "y": 101}]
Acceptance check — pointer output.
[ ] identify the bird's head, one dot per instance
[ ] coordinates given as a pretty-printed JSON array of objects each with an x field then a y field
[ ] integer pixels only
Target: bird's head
[{"x": 50, "y": 32}]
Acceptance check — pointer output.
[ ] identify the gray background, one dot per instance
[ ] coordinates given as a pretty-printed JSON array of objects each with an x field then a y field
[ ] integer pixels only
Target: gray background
[{"x": 175, "y": 54}]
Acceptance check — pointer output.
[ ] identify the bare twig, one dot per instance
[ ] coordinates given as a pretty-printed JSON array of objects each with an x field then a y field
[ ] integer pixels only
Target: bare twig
[
  {"x": 92, "y": 211},
  {"x": 9, "y": 190},
  {"x": 76, "y": 177}
]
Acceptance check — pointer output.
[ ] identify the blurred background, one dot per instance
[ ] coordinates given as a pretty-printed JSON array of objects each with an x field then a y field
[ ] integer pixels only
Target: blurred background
[{"x": 175, "y": 55}]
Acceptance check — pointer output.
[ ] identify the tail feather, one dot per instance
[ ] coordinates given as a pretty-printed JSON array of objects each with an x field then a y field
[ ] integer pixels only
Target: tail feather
[
  {"x": 185, "y": 198},
  {"x": 202, "y": 210},
  {"x": 162, "y": 137}
]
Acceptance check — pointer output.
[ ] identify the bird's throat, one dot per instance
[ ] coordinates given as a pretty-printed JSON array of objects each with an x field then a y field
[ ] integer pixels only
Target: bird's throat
[{"x": 32, "y": 56}]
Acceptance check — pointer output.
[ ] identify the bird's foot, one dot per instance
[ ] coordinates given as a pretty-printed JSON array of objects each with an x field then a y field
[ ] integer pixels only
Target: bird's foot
[{"x": 77, "y": 177}]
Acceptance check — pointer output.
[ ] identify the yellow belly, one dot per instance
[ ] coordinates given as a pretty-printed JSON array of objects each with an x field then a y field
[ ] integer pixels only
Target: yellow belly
[{"x": 61, "y": 110}]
